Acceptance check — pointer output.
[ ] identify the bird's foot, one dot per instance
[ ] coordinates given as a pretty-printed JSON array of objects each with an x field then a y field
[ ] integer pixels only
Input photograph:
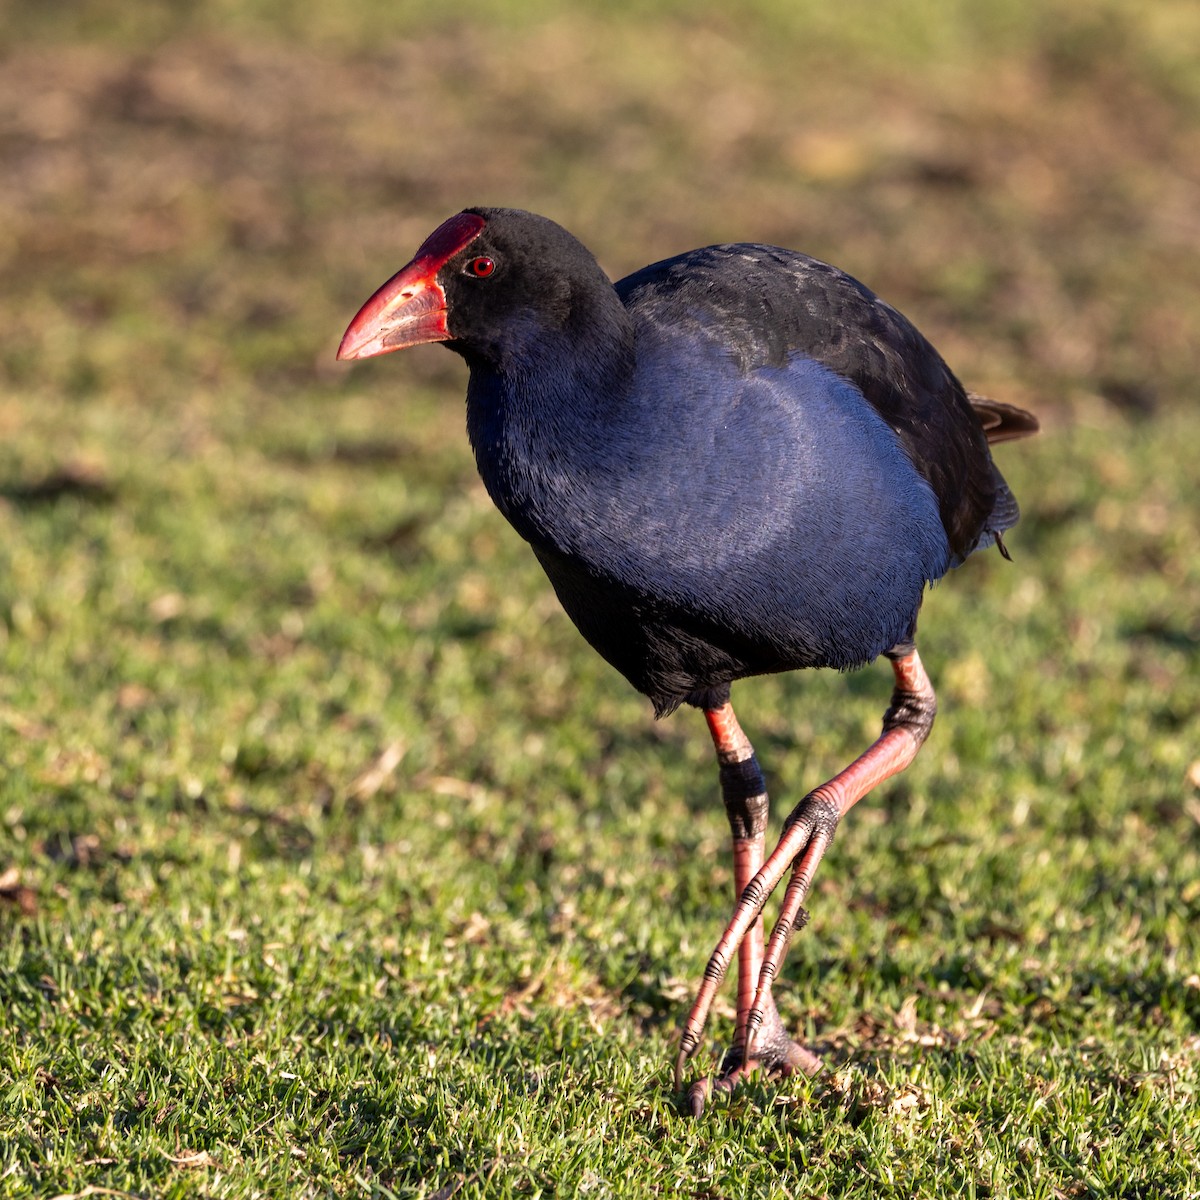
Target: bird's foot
[
  {"x": 773, "y": 1052},
  {"x": 807, "y": 834}
]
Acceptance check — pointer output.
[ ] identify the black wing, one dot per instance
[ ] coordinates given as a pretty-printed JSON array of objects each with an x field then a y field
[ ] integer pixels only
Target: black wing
[{"x": 766, "y": 304}]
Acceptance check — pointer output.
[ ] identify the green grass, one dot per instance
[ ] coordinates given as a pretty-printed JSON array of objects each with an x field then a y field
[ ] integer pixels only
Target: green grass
[{"x": 332, "y": 862}]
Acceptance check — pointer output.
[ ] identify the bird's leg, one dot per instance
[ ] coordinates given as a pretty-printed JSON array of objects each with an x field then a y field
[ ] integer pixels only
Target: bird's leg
[
  {"x": 746, "y": 804},
  {"x": 744, "y": 791},
  {"x": 807, "y": 834}
]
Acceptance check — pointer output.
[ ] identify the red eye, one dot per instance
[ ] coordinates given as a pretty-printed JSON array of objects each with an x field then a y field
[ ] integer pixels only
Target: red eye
[{"x": 481, "y": 267}]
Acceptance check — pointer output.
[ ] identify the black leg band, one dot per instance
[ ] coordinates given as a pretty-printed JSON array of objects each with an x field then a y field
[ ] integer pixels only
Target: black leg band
[{"x": 744, "y": 791}]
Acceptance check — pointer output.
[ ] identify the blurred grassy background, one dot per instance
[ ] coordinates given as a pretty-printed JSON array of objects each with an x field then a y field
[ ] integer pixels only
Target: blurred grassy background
[{"x": 333, "y": 862}]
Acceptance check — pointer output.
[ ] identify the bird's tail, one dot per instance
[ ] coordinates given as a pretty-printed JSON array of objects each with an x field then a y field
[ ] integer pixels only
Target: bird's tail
[{"x": 1002, "y": 422}]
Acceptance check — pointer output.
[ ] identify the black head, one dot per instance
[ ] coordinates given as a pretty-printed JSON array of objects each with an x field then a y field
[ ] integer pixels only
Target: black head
[{"x": 492, "y": 283}]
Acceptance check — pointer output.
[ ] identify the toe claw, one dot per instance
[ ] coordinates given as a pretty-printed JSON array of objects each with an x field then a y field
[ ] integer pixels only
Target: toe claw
[
  {"x": 681, "y": 1063},
  {"x": 696, "y": 1097}
]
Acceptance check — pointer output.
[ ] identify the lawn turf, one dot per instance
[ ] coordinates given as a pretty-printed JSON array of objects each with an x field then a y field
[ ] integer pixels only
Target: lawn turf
[{"x": 332, "y": 861}]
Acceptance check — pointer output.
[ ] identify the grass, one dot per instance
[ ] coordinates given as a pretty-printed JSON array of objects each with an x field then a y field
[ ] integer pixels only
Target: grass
[{"x": 332, "y": 862}]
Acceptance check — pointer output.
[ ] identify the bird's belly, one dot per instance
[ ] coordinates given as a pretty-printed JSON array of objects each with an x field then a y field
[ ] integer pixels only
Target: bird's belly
[{"x": 671, "y": 647}]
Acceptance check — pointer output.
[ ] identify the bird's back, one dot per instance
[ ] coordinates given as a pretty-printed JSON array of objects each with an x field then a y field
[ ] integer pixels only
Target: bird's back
[{"x": 768, "y": 305}]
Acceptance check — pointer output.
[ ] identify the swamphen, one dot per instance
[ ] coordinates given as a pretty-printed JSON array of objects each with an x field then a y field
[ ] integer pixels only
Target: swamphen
[{"x": 733, "y": 462}]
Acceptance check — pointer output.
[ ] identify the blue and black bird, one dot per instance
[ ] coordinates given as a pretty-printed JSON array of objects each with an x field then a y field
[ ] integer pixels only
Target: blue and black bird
[{"x": 734, "y": 462}]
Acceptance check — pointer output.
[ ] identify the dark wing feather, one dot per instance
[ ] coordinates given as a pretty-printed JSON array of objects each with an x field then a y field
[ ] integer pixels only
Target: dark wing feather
[{"x": 767, "y": 304}]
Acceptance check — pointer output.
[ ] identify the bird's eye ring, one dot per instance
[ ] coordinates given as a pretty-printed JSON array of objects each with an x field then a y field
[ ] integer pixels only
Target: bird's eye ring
[{"x": 481, "y": 267}]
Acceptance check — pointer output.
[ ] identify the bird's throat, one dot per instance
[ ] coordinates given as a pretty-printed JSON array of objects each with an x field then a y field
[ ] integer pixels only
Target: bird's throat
[{"x": 540, "y": 434}]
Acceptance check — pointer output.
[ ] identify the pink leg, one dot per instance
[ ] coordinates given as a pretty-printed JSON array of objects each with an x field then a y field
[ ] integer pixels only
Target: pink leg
[
  {"x": 746, "y": 804},
  {"x": 807, "y": 834},
  {"x": 748, "y": 818}
]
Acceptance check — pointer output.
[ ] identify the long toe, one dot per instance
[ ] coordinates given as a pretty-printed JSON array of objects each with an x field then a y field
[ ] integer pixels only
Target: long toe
[{"x": 775, "y": 1052}]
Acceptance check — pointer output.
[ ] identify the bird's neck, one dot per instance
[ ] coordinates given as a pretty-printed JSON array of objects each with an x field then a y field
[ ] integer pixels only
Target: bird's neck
[{"x": 542, "y": 421}]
